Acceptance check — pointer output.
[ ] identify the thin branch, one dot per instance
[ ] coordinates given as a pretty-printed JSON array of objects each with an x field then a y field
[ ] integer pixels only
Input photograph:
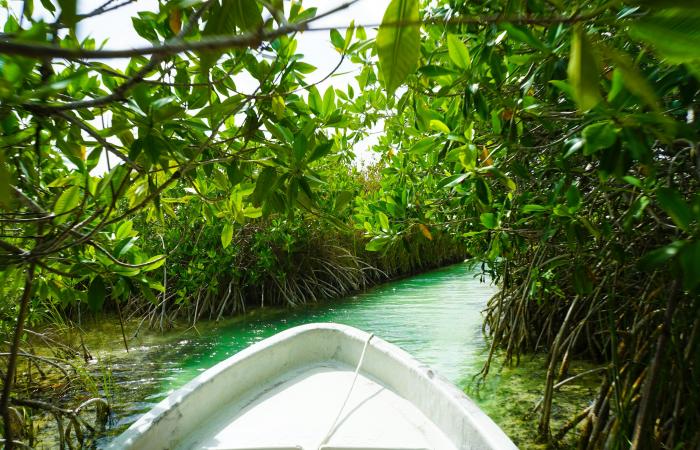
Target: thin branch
[
  {"x": 105, "y": 8},
  {"x": 254, "y": 39},
  {"x": 175, "y": 46}
]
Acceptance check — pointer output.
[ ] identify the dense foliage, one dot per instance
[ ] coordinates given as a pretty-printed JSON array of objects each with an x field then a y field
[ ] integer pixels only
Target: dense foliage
[
  {"x": 556, "y": 142},
  {"x": 563, "y": 149}
]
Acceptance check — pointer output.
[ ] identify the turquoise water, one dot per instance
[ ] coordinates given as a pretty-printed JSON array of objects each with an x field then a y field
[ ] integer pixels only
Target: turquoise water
[{"x": 435, "y": 316}]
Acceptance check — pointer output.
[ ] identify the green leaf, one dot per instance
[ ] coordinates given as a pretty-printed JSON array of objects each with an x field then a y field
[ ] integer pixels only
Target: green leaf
[
  {"x": 123, "y": 246},
  {"x": 5, "y": 198},
  {"x": 252, "y": 212},
  {"x": 656, "y": 258},
  {"x": 315, "y": 101},
  {"x": 398, "y": 43},
  {"x": 48, "y": 4},
  {"x": 522, "y": 34},
  {"x": 459, "y": 54},
  {"x": 573, "y": 197},
  {"x": 266, "y": 180},
  {"x": 321, "y": 150},
  {"x": 377, "y": 243},
  {"x": 153, "y": 263},
  {"x": 599, "y": 136},
  {"x": 278, "y": 107},
  {"x": 674, "y": 33},
  {"x": 383, "y": 221},
  {"x": 67, "y": 201},
  {"x": 96, "y": 294},
  {"x": 633, "y": 80},
  {"x": 438, "y": 125},
  {"x": 228, "y": 107},
  {"x": 452, "y": 180},
  {"x": 582, "y": 282},
  {"x": 146, "y": 291},
  {"x": 342, "y": 200},
  {"x": 583, "y": 71},
  {"x": 433, "y": 71},
  {"x": 423, "y": 146},
  {"x": 675, "y": 206},
  {"x": 246, "y": 14},
  {"x": 337, "y": 40},
  {"x": 489, "y": 220},
  {"x": 634, "y": 181},
  {"x": 689, "y": 259},
  {"x": 328, "y": 101},
  {"x": 124, "y": 230},
  {"x": 221, "y": 20},
  {"x": 226, "y": 235},
  {"x": 563, "y": 86},
  {"x": 535, "y": 208},
  {"x": 68, "y": 12},
  {"x": 483, "y": 191}
]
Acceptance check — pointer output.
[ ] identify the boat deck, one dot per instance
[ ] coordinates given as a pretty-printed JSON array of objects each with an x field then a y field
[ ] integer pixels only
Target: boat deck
[{"x": 297, "y": 411}]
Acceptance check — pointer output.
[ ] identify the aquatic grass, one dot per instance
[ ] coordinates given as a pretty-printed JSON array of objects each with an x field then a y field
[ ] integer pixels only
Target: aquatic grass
[{"x": 521, "y": 386}]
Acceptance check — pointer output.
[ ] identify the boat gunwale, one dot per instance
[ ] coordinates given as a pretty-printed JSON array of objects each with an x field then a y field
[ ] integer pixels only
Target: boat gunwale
[{"x": 483, "y": 424}]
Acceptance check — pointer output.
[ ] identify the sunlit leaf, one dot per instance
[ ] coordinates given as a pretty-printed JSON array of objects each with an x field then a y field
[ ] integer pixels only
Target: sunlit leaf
[
  {"x": 337, "y": 40},
  {"x": 459, "y": 54},
  {"x": 377, "y": 243},
  {"x": 452, "y": 180},
  {"x": 583, "y": 71},
  {"x": 226, "y": 235},
  {"x": 438, "y": 125},
  {"x": 278, "y": 106},
  {"x": 383, "y": 221},
  {"x": 398, "y": 43},
  {"x": 535, "y": 208},
  {"x": 67, "y": 201},
  {"x": 489, "y": 220}
]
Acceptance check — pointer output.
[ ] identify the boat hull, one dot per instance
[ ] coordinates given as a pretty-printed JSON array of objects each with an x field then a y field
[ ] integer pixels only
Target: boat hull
[{"x": 284, "y": 393}]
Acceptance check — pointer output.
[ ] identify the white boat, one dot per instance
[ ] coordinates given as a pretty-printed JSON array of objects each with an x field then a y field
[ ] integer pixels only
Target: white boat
[{"x": 318, "y": 386}]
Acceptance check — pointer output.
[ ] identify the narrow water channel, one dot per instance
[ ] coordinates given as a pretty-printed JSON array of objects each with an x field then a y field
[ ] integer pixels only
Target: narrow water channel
[{"x": 435, "y": 316}]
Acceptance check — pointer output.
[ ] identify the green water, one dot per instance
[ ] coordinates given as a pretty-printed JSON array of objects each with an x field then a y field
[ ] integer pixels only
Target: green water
[{"x": 434, "y": 316}]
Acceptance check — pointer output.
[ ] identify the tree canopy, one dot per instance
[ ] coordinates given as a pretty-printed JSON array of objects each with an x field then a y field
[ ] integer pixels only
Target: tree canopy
[{"x": 557, "y": 142}]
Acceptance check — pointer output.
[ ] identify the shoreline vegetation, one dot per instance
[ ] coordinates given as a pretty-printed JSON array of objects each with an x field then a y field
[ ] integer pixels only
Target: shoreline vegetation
[{"x": 555, "y": 143}]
